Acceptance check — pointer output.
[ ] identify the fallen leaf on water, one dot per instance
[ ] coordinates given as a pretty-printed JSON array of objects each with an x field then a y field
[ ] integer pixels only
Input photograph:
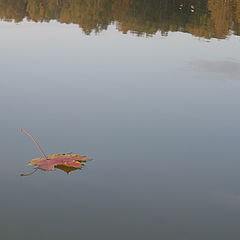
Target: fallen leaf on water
[{"x": 66, "y": 162}]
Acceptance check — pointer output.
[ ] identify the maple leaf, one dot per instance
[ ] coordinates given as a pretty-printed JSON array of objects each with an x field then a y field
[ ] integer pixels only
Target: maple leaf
[{"x": 66, "y": 162}]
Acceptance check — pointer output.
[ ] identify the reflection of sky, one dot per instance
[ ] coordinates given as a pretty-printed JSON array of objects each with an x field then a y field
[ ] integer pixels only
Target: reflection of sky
[
  {"x": 220, "y": 70},
  {"x": 31, "y": 42},
  {"x": 164, "y": 139}
]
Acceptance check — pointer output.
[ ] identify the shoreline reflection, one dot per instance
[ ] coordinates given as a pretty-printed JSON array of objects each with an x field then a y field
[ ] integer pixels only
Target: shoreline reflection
[{"x": 206, "y": 18}]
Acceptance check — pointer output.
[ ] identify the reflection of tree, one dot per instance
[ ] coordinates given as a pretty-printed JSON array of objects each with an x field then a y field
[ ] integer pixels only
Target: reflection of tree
[
  {"x": 88, "y": 14},
  {"x": 221, "y": 17},
  {"x": 150, "y": 16},
  {"x": 42, "y": 10},
  {"x": 205, "y": 18},
  {"x": 12, "y": 9}
]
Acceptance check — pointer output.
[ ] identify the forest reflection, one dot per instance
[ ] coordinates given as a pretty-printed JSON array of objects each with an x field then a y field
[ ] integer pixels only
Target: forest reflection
[{"x": 202, "y": 18}]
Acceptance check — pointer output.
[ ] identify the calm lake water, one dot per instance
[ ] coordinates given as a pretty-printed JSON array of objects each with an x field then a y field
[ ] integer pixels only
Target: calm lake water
[{"x": 149, "y": 90}]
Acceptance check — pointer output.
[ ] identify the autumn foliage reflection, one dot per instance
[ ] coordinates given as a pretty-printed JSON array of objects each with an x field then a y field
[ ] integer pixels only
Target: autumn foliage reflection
[{"x": 205, "y": 18}]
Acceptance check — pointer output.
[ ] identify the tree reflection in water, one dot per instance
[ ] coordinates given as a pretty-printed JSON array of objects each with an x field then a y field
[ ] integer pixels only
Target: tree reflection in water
[{"x": 205, "y": 18}]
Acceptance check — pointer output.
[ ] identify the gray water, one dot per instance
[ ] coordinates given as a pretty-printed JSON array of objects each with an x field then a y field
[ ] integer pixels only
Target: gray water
[{"x": 158, "y": 115}]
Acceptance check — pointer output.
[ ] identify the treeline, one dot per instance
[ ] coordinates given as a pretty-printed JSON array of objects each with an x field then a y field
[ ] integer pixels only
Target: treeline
[{"x": 205, "y": 18}]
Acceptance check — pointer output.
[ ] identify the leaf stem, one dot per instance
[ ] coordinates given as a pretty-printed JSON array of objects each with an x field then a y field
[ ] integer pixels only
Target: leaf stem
[
  {"x": 24, "y": 175},
  {"x": 22, "y": 130}
]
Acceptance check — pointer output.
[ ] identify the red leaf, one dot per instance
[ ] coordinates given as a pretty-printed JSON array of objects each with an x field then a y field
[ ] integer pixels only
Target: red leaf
[
  {"x": 52, "y": 161},
  {"x": 61, "y": 161}
]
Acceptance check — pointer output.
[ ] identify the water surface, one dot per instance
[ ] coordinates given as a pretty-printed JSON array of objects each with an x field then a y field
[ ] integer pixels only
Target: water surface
[{"x": 158, "y": 113}]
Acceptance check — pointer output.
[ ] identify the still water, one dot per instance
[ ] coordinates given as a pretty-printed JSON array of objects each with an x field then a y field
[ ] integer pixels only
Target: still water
[{"x": 150, "y": 93}]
